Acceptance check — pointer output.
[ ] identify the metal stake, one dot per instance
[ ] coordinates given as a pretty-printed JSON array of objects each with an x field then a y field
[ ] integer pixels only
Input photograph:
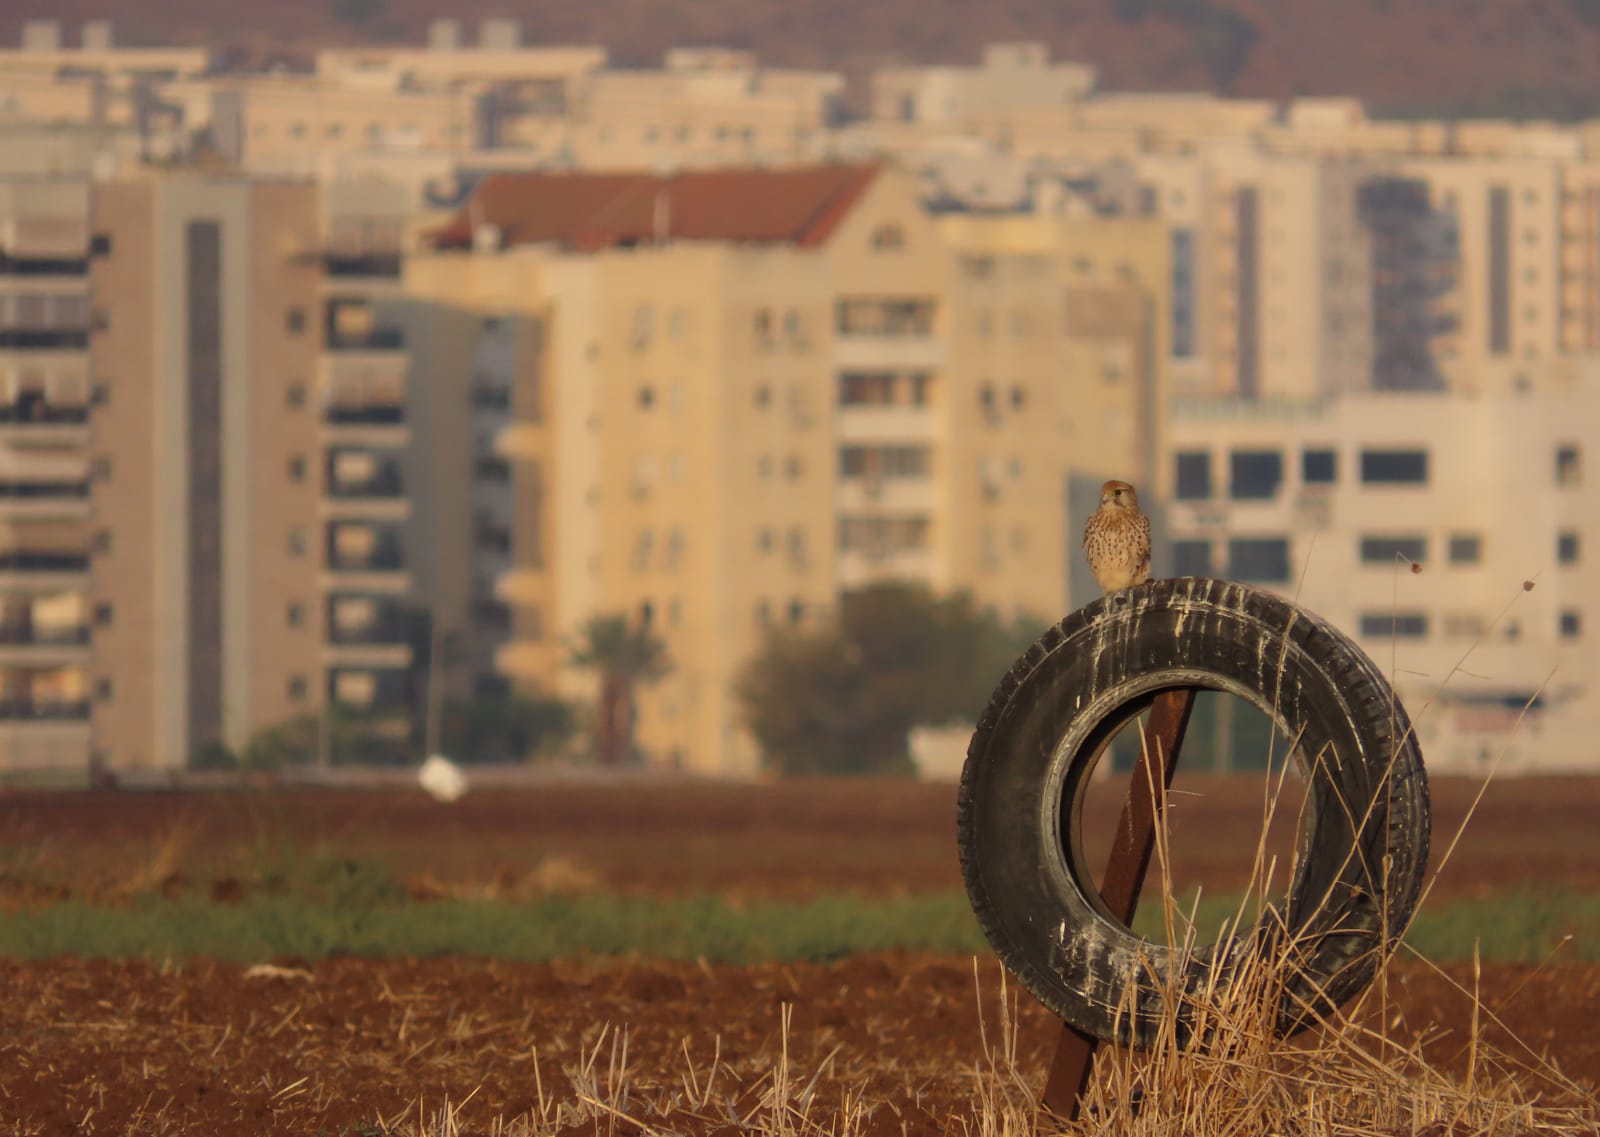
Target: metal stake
[{"x": 1124, "y": 877}]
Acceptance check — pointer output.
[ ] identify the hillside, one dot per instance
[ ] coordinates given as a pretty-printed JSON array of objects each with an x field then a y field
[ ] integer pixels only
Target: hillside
[{"x": 1522, "y": 57}]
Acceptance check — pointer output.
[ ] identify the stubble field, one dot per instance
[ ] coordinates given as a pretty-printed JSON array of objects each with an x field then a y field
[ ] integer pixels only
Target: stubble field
[{"x": 891, "y": 1041}]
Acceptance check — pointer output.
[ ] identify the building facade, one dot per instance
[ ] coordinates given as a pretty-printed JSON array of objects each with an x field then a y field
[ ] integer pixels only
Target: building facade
[{"x": 1413, "y": 521}]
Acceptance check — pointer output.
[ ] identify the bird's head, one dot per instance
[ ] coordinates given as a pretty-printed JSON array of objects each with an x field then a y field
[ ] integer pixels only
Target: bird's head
[{"x": 1120, "y": 494}]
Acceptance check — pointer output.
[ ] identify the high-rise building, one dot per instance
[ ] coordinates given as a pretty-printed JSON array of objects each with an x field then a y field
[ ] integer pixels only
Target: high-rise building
[
  {"x": 45, "y": 246},
  {"x": 718, "y": 400},
  {"x": 245, "y": 499}
]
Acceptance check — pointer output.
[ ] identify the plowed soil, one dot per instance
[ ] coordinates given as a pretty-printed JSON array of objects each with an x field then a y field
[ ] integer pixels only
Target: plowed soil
[
  {"x": 893, "y": 1043},
  {"x": 669, "y": 837}
]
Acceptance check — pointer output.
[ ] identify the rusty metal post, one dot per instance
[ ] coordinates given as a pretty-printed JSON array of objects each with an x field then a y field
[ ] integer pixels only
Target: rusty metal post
[{"x": 1124, "y": 877}]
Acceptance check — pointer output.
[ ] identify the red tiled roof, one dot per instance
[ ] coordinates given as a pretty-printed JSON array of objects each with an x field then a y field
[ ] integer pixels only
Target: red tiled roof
[{"x": 587, "y": 211}]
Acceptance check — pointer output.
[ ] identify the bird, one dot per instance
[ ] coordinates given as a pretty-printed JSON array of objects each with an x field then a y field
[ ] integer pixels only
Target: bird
[{"x": 1117, "y": 539}]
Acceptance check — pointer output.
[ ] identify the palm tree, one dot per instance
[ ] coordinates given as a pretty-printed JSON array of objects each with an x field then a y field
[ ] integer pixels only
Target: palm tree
[{"x": 624, "y": 654}]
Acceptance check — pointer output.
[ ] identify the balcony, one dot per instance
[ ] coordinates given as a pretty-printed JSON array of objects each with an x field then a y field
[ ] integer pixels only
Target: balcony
[
  {"x": 36, "y": 647},
  {"x": 372, "y": 340},
  {"x": 349, "y": 265},
  {"x": 44, "y": 710},
  {"x": 44, "y": 339},
  {"x": 384, "y": 558},
  {"x": 34, "y": 267},
  {"x": 884, "y": 495},
  {"x": 378, "y": 569},
  {"x": 34, "y": 634},
  {"x": 888, "y": 352},
  {"x": 885, "y": 424},
  {"x": 22, "y": 572},
  {"x": 382, "y": 426},
  {"x": 386, "y": 481},
  {"x": 32, "y": 422},
  {"x": 25, "y": 501},
  {"x": 857, "y": 568},
  {"x": 379, "y": 497},
  {"x": 382, "y": 643}
]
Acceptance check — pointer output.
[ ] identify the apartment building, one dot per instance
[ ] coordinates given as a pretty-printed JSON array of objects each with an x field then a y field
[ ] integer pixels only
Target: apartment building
[
  {"x": 244, "y": 500},
  {"x": 715, "y": 401},
  {"x": 45, "y": 246},
  {"x": 1333, "y": 503},
  {"x": 702, "y": 107}
]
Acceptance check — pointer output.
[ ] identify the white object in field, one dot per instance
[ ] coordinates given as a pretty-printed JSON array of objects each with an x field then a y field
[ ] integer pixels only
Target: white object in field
[{"x": 442, "y": 778}]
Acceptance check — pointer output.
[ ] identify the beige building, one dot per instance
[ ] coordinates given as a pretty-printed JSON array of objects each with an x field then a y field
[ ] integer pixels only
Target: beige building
[
  {"x": 45, "y": 246},
  {"x": 1332, "y": 502},
  {"x": 718, "y": 400},
  {"x": 245, "y": 498}
]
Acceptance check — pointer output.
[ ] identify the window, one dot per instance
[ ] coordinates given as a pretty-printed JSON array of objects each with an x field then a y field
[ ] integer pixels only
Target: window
[
  {"x": 1261, "y": 559},
  {"x": 103, "y": 689},
  {"x": 1019, "y": 398},
  {"x": 102, "y": 613},
  {"x": 100, "y": 245},
  {"x": 672, "y": 555},
  {"x": 297, "y": 542},
  {"x": 100, "y": 467},
  {"x": 1386, "y": 550},
  {"x": 1182, "y": 315},
  {"x": 294, "y": 321},
  {"x": 1569, "y": 465},
  {"x": 764, "y": 540},
  {"x": 888, "y": 237},
  {"x": 791, "y": 468},
  {"x": 1194, "y": 476},
  {"x": 763, "y": 395},
  {"x": 297, "y": 469},
  {"x": 1319, "y": 467},
  {"x": 295, "y": 395},
  {"x": 1571, "y": 624},
  {"x": 643, "y": 543},
  {"x": 1191, "y": 558},
  {"x": 102, "y": 541},
  {"x": 1256, "y": 475},
  {"x": 297, "y": 688},
  {"x": 1394, "y": 467},
  {"x": 1399, "y": 625},
  {"x": 295, "y": 615},
  {"x": 1465, "y": 548},
  {"x": 647, "y": 398},
  {"x": 1567, "y": 547},
  {"x": 797, "y": 611},
  {"x": 99, "y": 395},
  {"x": 1465, "y": 625}
]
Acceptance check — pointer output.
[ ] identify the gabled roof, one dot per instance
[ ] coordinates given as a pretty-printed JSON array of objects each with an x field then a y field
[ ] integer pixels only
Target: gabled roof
[{"x": 799, "y": 205}]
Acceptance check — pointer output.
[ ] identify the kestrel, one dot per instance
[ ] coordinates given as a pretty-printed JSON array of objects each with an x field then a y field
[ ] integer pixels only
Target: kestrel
[{"x": 1117, "y": 539}]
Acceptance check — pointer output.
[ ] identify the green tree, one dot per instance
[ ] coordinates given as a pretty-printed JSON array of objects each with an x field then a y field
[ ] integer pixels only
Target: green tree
[
  {"x": 355, "y": 738},
  {"x": 623, "y": 654},
  {"x": 506, "y": 729},
  {"x": 843, "y": 698}
]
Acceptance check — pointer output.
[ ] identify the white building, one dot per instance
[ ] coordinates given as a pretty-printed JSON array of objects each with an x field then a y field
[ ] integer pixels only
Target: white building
[{"x": 1334, "y": 503}]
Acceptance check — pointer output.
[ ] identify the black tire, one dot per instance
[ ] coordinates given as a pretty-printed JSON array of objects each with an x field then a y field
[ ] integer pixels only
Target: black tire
[{"x": 1365, "y": 847}]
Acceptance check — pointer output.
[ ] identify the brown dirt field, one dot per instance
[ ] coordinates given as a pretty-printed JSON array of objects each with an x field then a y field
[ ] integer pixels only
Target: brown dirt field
[
  {"x": 123, "y": 1048},
  {"x": 665, "y": 837}
]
